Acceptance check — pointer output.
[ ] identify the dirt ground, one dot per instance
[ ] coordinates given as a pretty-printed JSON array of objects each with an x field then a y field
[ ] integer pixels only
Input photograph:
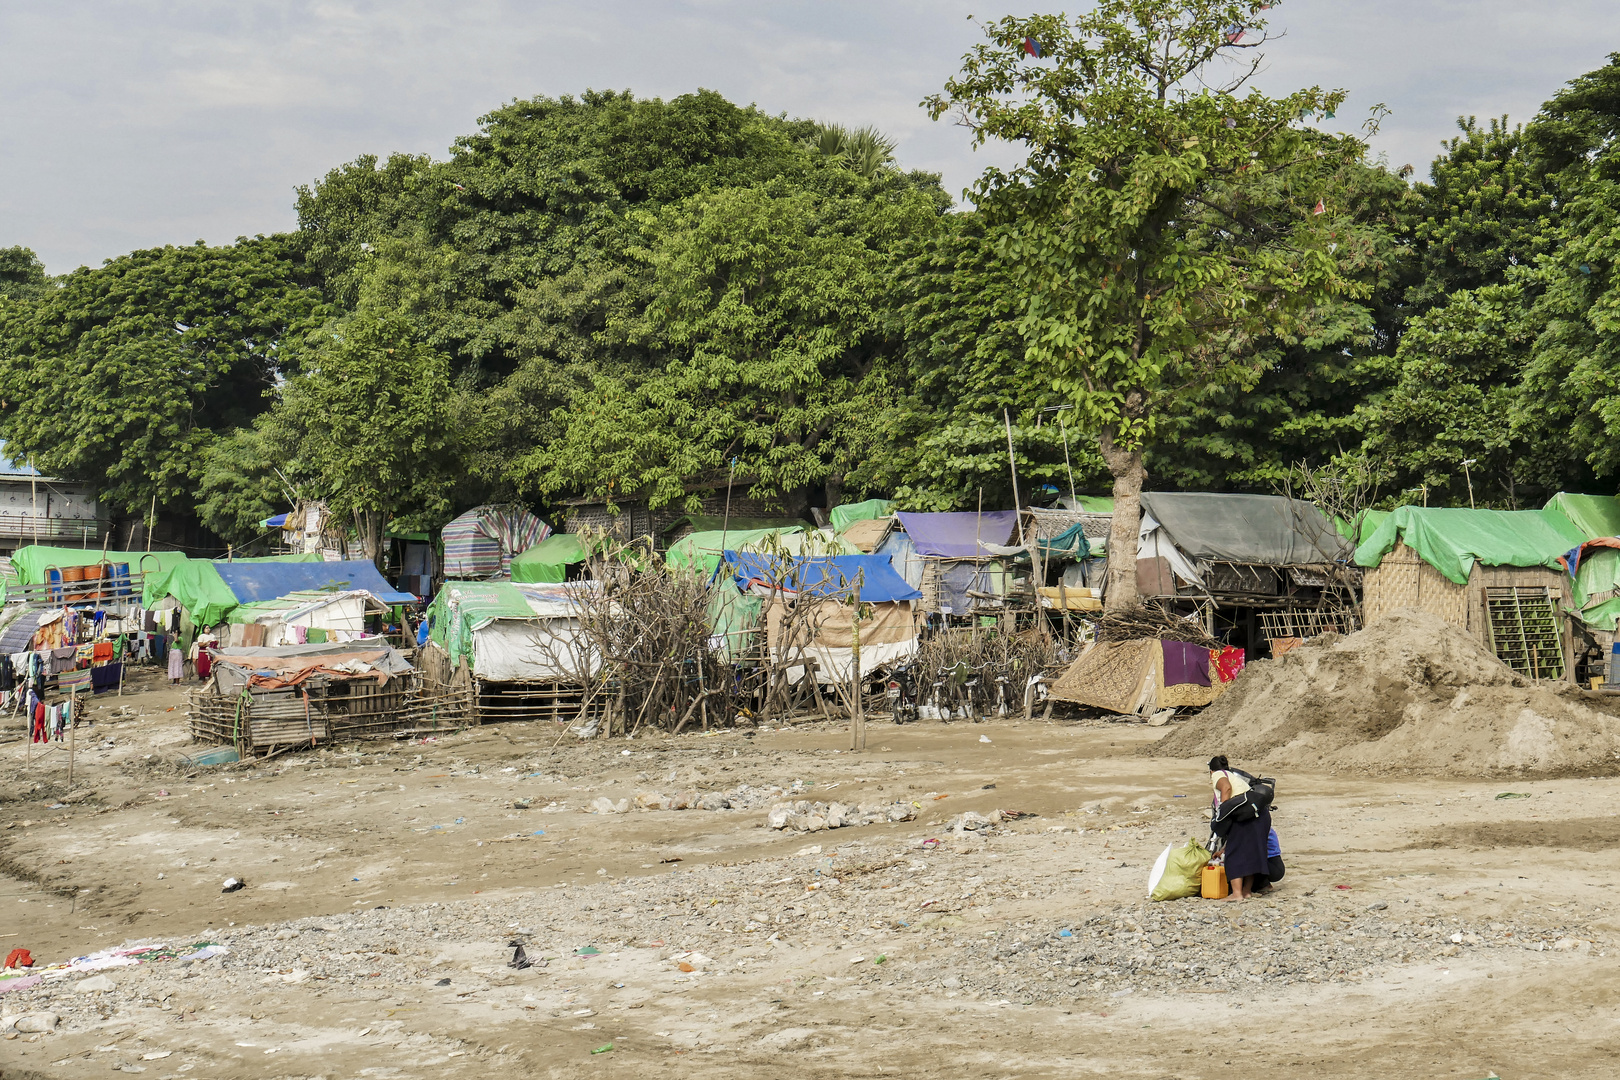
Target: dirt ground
[{"x": 1425, "y": 927}]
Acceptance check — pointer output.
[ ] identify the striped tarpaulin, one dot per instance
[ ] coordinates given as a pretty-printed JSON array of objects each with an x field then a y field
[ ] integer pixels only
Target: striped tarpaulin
[{"x": 481, "y": 542}]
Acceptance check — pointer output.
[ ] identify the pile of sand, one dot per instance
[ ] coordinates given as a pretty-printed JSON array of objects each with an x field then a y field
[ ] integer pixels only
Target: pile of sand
[{"x": 1410, "y": 693}]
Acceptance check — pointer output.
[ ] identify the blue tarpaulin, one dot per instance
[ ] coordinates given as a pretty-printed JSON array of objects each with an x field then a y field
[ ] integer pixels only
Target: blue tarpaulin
[
  {"x": 823, "y": 575},
  {"x": 267, "y": 581}
]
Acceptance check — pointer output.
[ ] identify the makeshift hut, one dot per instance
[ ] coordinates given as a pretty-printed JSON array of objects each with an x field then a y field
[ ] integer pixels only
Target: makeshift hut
[
  {"x": 549, "y": 560},
  {"x": 304, "y": 616},
  {"x": 261, "y": 700},
  {"x": 952, "y": 559},
  {"x": 809, "y": 609},
  {"x": 1262, "y": 568},
  {"x": 1495, "y": 573},
  {"x": 208, "y": 592},
  {"x": 481, "y": 543},
  {"x": 511, "y": 651}
]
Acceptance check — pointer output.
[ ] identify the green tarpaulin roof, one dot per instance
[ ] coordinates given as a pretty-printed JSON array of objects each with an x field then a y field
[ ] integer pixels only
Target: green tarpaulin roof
[
  {"x": 1095, "y": 504},
  {"x": 195, "y": 586},
  {"x": 462, "y": 607},
  {"x": 702, "y": 550},
  {"x": 32, "y": 561},
  {"x": 1452, "y": 540},
  {"x": 548, "y": 561},
  {"x": 842, "y": 517},
  {"x": 1591, "y": 515}
]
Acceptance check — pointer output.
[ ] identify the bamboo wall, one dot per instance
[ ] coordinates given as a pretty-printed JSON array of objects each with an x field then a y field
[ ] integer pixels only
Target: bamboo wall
[{"x": 1403, "y": 579}]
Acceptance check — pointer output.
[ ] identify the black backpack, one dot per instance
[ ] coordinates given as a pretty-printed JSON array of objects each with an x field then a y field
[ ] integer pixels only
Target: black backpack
[{"x": 1245, "y": 807}]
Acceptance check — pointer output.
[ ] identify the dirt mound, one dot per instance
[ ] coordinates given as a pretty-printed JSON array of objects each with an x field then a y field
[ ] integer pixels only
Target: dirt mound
[{"x": 1410, "y": 693}]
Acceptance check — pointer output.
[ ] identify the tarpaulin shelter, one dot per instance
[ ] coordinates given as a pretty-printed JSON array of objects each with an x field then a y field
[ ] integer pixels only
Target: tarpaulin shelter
[
  {"x": 958, "y": 535},
  {"x": 1591, "y": 516},
  {"x": 703, "y": 550},
  {"x": 516, "y": 650},
  {"x": 209, "y": 591},
  {"x": 32, "y": 562},
  {"x": 259, "y": 699},
  {"x": 1261, "y": 568},
  {"x": 822, "y": 591},
  {"x": 1495, "y": 573},
  {"x": 549, "y": 560},
  {"x": 960, "y": 572},
  {"x": 1194, "y": 530},
  {"x": 251, "y": 581},
  {"x": 302, "y": 617},
  {"x": 842, "y": 517},
  {"x": 482, "y": 542}
]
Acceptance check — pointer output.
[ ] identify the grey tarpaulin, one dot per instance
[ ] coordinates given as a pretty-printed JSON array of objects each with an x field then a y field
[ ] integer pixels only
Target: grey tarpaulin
[{"x": 1265, "y": 530}]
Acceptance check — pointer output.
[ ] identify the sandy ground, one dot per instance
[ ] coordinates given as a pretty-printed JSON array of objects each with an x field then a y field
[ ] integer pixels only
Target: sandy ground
[{"x": 376, "y": 873}]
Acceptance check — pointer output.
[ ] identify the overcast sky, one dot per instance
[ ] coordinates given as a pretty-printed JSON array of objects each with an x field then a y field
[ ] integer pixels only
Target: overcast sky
[{"x": 132, "y": 124}]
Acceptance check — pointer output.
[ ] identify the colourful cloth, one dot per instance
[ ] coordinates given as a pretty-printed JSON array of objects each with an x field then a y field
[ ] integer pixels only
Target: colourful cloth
[
  {"x": 1227, "y": 663},
  {"x": 1184, "y": 663}
]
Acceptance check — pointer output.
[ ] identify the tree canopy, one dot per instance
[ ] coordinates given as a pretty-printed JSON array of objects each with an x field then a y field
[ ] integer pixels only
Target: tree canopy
[{"x": 1185, "y": 284}]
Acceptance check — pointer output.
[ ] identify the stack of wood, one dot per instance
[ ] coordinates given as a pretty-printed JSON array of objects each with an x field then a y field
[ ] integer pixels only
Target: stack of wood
[
  {"x": 1152, "y": 621},
  {"x": 649, "y": 625}
]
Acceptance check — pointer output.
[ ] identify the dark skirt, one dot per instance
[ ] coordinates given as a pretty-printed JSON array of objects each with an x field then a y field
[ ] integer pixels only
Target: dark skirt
[{"x": 1246, "y": 847}]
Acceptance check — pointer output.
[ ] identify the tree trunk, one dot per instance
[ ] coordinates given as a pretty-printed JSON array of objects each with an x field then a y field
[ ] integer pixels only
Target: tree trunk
[
  {"x": 368, "y": 528},
  {"x": 1129, "y": 472}
]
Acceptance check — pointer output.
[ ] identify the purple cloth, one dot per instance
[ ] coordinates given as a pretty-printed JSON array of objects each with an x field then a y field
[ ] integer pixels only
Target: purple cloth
[
  {"x": 957, "y": 536},
  {"x": 1185, "y": 663}
]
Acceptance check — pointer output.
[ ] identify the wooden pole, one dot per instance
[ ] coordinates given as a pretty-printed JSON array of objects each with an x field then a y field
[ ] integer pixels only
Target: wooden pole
[
  {"x": 73, "y": 726},
  {"x": 151, "y": 522},
  {"x": 857, "y": 725}
]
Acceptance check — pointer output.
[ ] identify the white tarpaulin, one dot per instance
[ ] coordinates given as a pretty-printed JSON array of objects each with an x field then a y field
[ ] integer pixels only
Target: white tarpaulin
[
  {"x": 1154, "y": 543},
  {"x": 837, "y": 665},
  {"x": 537, "y": 650}
]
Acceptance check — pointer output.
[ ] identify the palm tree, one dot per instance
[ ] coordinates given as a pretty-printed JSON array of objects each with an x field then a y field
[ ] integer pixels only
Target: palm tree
[{"x": 863, "y": 150}]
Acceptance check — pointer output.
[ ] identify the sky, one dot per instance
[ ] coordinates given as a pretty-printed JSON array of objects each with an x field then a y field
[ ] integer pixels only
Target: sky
[{"x": 127, "y": 124}]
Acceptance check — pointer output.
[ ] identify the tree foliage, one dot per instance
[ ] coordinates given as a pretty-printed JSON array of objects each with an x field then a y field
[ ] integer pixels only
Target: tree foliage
[
  {"x": 1158, "y": 227},
  {"x": 124, "y": 375}
]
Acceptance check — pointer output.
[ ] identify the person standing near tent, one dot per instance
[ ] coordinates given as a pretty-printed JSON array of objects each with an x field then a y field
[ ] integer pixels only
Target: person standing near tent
[
  {"x": 177, "y": 661},
  {"x": 202, "y": 660},
  {"x": 1245, "y": 851}
]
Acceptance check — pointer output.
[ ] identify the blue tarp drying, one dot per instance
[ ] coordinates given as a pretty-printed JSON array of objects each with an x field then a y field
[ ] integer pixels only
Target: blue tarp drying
[
  {"x": 824, "y": 575},
  {"x": 267, "y": 581}
]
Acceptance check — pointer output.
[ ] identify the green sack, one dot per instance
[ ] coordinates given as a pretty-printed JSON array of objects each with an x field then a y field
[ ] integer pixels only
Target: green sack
[{"x": 1176, "y": 874}]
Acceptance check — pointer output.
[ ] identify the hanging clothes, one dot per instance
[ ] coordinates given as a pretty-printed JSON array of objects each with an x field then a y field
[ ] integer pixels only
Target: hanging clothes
[{"x": 38, "y": 728}]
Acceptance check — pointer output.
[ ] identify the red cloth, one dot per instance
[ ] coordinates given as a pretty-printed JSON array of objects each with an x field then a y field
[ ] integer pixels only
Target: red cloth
[
  {"x": 205, "y": 663},
  {"x": 20, "y": 958},
  {"x": 1227, "y": 663},
  {"x": 101, "y": 652},
  {"x": 39, "y": 723}
]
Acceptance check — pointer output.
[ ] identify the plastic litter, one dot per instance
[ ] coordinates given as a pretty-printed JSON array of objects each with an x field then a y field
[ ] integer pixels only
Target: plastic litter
[
  {"x": 237, "y": 885},
  {"x": 589, "y": 950},
  {"x": 604, "y": 1048},
  {"x": 1514, "y": 795},
  {"x": 520, "y": 959}
]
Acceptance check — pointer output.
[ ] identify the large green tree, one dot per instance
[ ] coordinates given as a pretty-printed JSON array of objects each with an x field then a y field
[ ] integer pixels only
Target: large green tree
[
  {"x": 770, "y": 329},
  {"x": 367, "y": 425},
  {"x": 123, "y": 375},
  {"x": 941, "y": 443},
  {"x": 1158, "y": 226}
]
